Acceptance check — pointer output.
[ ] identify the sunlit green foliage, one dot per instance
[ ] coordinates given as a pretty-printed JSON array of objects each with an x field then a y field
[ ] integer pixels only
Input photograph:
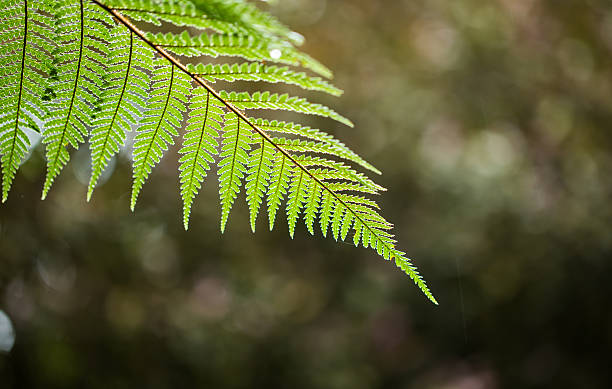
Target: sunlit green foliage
[
  {"x": 83, "y": 69},
  {"x": 25, "y": 56},
  {"x": 161, "y": 123},
  {"x": 199, "y": 145},
  {"x": 125, "y": 95},
  {"x": 80, "y": 60}
]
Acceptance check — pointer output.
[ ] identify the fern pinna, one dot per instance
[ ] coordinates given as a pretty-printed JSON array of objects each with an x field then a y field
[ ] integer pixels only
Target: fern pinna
[{"x": 73, "y": 70}]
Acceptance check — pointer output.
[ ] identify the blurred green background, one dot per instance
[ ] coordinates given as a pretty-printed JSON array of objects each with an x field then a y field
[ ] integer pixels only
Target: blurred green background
[{"x": 491, "y": 123}]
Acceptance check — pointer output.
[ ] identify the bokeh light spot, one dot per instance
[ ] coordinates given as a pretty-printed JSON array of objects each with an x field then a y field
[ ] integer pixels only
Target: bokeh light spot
[
  {"x": 275, "y": 53},
  {"x": 7, "y": 333}
]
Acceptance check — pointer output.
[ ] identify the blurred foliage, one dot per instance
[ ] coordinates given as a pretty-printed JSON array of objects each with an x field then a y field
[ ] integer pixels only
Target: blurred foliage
[{"x": 489, "y": 119}]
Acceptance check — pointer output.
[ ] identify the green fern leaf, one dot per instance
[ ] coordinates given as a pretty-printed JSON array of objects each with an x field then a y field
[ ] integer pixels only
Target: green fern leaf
[
  {"x": 344, "y": 186},
  {"x": 404, "y": 263},
  {"x": 81, "y": 63},
  {"x": 83, "y": 66},
  {"x": 279, "y": 182},
  {"x": 199, "y": 146},
  {"x": 26, "y": 58},
  {"x": 178, "y": 12},
  {"x": 337, "y": 219},
  {"x": 260, "y": 168},
  {"x": 346, "y": 225},
  {"x": 233, "y": 164},
  {"x": 358, "y": 227},
  {"x": 250, "y": 47},
  {"x": 339, "y": 171},
  {"x": 334, "y": 146},
  {"x": 249, "y": 17},
  {"x": 312, "y": 205},
  {"x": 351, "y": 198},
  {"x": 159, "y": 127},
  {"x": 127, "y": 87},
  {"x": 260, "y": 72},
  {"x": 327, "y": 205},
  {"x": 267, "y": 100},
  {"x": 297, "y": 197},
  {"x": 302, "y": 146}
]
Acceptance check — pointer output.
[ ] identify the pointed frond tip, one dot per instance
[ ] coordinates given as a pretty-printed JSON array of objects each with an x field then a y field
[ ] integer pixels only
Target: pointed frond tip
[
  {"x": 85, "y": 72},
  {"x": 404, "y": 263}
]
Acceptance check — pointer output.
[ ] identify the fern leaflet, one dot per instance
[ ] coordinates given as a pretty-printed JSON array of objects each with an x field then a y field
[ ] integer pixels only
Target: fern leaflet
[
  {"x": 25, "y": 59},
  {"x": 297, "y": 196},
  {"x": 160, "y": 125},
  {"x": 267, "y": 100},
  {"x": 127, "y": 87},
  {"x": 232, "y": 166},
  {"x": 260, "y": 168},
  {"x": 258, "y": 72},
  {"x": 80, "y": 66},
  {"x": 199, "y": 146},
  {"x": 278, "y": 187}
]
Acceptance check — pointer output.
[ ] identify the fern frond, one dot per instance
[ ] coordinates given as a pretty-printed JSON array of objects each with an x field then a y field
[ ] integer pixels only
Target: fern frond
[
  {"x": 162, "y": 120},
  {"x": 178, "y": 12},
  {"x": 233, "y": 164},
  {"x": 347, "y": 223},
  {"x": 337, "y": 218},
  {"x": 127, "y": 87},
  {"x": 407, "y": 267},
  {"x": 298, "y": 193},
  {"x": 103, "y": 75},
  {"x": 25, "y": 59},
  {"x": 81, "y": 64},
  {"x": 260, "y": 169},
  {"x": 279, "y": 182},
  {"x": 254, "y": 71},
  {"x": 250, "y": 47},
  {"x": 351, "y": 198},
  {"x": 341, "y": 150},
  {"x": 199, "y": 146},
  {"x": 343, "y": 186},
  {"x": 249, "y": 17},
  {"x": 328, "y": 202},
  {"x": 267, "y": 100},
  {"x": 302, "y": 146},
  {"x": 312, "y": 205},
  {"x": 338, "y": 170}
]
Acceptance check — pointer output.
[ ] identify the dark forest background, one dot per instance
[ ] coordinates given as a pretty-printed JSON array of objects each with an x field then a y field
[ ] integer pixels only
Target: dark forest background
[{"x": 491, "y": 123}]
